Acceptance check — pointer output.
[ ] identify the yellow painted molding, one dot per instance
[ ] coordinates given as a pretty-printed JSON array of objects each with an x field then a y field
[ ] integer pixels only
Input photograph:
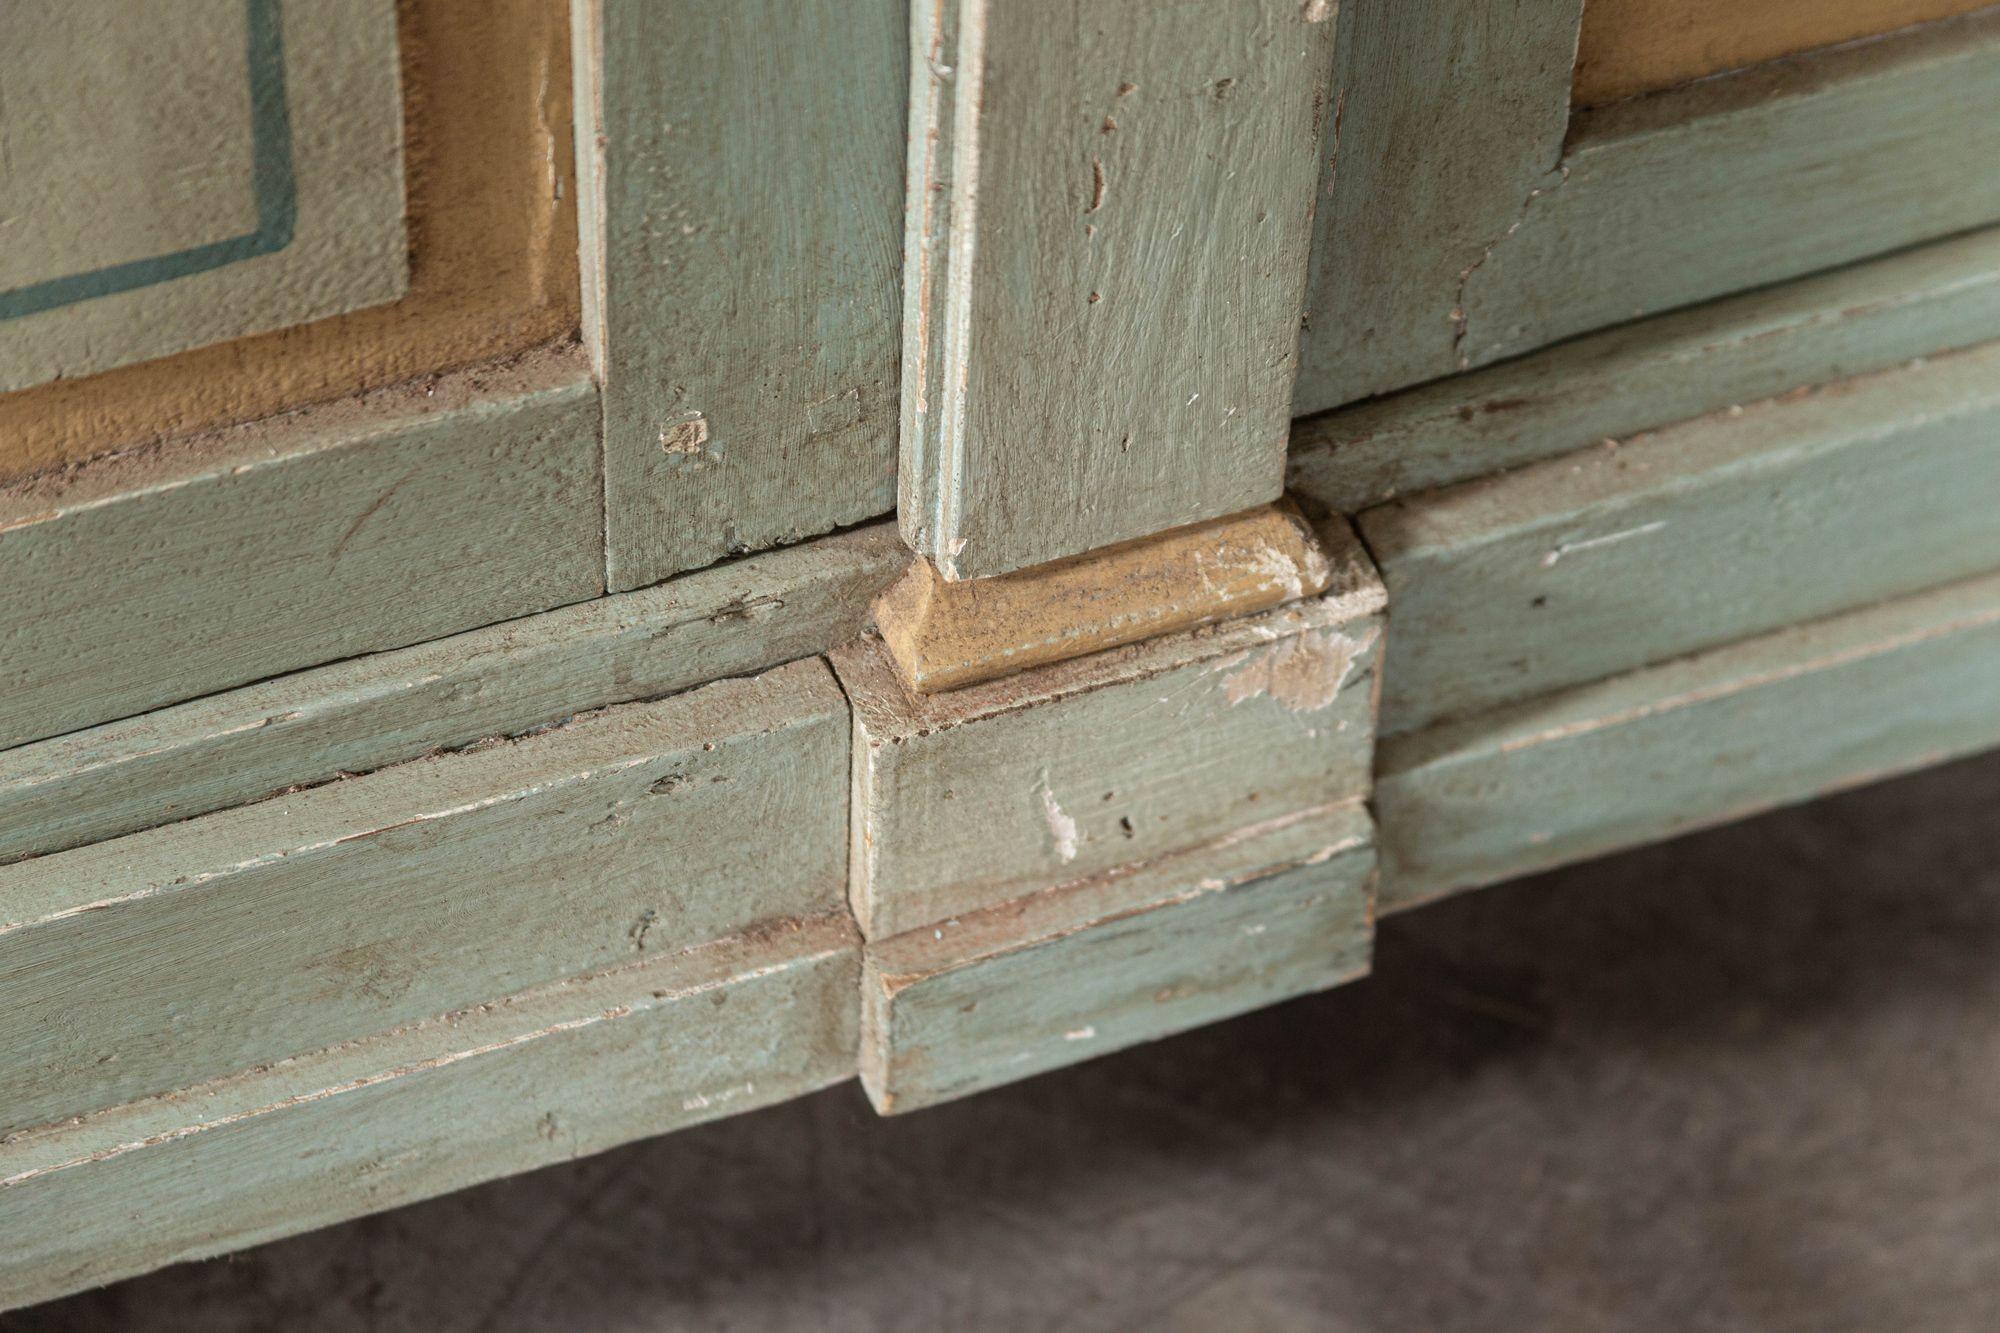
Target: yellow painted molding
[
  {"x": 1630, "y": 47},
  {"x": 944, "y": 634}
]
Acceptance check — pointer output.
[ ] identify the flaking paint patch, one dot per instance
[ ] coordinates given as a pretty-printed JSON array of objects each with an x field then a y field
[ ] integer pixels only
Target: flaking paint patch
[
  {"x": 686, "y": 437},
  {"x": 1062, "y": 826},
  {"x": 1303, "y": 672}
]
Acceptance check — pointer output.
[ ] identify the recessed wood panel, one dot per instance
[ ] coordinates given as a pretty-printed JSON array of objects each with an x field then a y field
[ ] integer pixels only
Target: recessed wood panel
[
  {"x": 492, "y": 253},
  {"x": 177, "y": 175},
  {"x": 1629, "y": 47}
]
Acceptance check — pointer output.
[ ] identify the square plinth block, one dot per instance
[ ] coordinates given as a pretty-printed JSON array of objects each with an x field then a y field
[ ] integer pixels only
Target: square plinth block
[
  {"x": 970, "y": 798},
  {"x": 1056, "y": 977}
]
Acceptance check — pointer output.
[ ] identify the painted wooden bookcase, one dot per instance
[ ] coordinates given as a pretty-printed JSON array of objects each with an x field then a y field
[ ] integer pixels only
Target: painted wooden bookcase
[{"x": 571, "y": 567}]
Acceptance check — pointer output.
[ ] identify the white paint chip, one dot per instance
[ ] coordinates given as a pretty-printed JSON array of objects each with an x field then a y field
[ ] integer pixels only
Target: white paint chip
[
  {"x": 1062, "y": 827},
  {"x": 1609, "y": 538}
]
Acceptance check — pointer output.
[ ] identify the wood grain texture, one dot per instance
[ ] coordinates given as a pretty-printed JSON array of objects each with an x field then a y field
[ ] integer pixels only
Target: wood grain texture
[
  {"x": 1631, "y": 47},
  {"x": 1653, "y": 372},
  {"x": 138, "y": 965},
  {"x": 966, "y": 799},
  {"x": 1248, "y": 919},
  {"x": 1449, "y": 116},
  {"x": 400, "y": 516},
  {"x": 944, "y": 635},
  {"x": 1697, "y": 741},
  {"x": 742, "y": 199},
  {"x": 534, "y": 1078},
  {"x": 1109, "y": 215},
  {"x": 491, "y": 217},
  {"x": 1749, "y": 178},
  {"x": 1686, "y": 538},
  {"x": 351, "y": 717}
]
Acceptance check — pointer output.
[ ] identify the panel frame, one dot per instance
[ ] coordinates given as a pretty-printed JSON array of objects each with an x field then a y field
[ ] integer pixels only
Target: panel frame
[
  {"x": 740, "y": 215},
  {"x": 390, "y": 518},
  {"x": 1468, "y": 216}
]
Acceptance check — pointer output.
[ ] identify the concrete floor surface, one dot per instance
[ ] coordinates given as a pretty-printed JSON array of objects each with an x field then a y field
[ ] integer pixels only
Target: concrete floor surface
[{"x": 1746, "y": 1080}]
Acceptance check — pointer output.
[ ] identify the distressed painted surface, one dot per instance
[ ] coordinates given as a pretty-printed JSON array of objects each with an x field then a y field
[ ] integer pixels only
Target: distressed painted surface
[
  {"x": 969, "y": 798},
  {"x": 491, "y": 215},
  {"x": 1696, "y": 741},
  {"x": 1254, "y": 917},
  {"x": 1686, "y": 538},
  {"x": 1629, "y": 47},
  {"x": 944, "y": 635},
  {"x": 355, "y": 716},
  {"x": 363, "y": 525},
  {"x": 1448, "y": 114},
  {"x": 531, "y": 1079},
  {"x": 1468, "y": 217},
  {"x": 1772, "y": 172},
  {"x": 1614, "y": 384},
  {"x": 142, "y": 964},
  {"x": 742, "y": 194},
  {"x": 1110, "y": 208},
  {"x": 177, "y": 176}
]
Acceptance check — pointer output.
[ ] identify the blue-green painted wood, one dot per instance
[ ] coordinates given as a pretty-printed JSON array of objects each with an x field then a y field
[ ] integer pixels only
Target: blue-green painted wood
[
  {"x": 144, "y": 963},
  {"x": 355, "y": 716},
  {"x": 1749, "y": 178},
  {"x": 1110, "y": 209},
  {"x": 1606, "y": 559},
  {"x": 1256, "y": 916},
  {"x": 1697, "y": 741},
  {"x": 742, "y": 196},
  {"x": 156, "y": 576},
  {"x": 979, "y": 795},
  {"x": 1467, "y": 216},
  {"x": 531, "y": 1079},
  {"x": 1650, "y": 373},
  {"x": 1448, "y": 114}
]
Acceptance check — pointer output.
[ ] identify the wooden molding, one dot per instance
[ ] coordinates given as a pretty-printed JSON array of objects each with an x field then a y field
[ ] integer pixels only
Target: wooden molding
[
  {"x": 1683, "y": 539},
  {"x": 1718, "y": 736},
  {"x": 1641, "y": 376},
  {"x": 1080, "y": 970},
  {"x": 944, "y": 634},
  {"x": 382, "y": 520},
  {"x": 1632, "y": 47},
  {"x": 356, "y": 716}
]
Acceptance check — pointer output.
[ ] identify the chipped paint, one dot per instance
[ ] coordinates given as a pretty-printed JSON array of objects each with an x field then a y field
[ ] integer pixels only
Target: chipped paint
[
  {"x": 1304, "y": 673},
  {"x": 686, "y": 438},
  {"x": 1062, "y": 826},
  {"x": 1588, "y": 543}
]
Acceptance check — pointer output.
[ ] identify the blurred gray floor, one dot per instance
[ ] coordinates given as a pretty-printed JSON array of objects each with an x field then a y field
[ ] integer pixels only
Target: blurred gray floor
[{"x": 1747, "y": 1080}]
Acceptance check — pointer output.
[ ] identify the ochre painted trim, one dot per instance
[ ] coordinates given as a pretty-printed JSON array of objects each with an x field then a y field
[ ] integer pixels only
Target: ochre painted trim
[
  {"x": 1630, "y": 47},
  {"x": 493, "y": 269}
]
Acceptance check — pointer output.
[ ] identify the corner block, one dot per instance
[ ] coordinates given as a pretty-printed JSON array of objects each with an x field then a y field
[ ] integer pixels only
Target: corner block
[
  {"x": 1247, "y": 919},
  {"x": 967, "y": 799},
  {"x": 944, "y": 634}
]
